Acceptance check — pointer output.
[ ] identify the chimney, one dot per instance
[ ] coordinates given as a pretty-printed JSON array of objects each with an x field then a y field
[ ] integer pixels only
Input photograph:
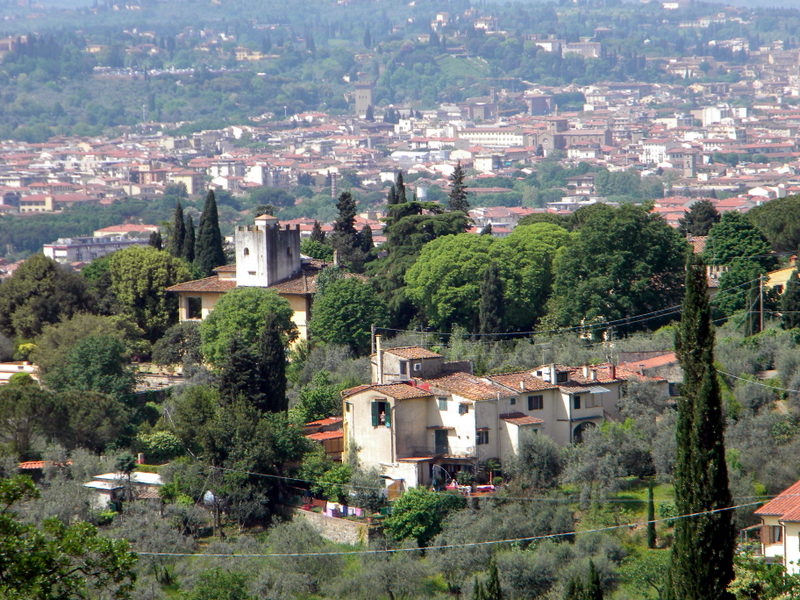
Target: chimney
[
  {"x": 594, "y": 375},
  {"x": 586, "y": 371},
  {"x": 641, "y": 368},
  {"x": 379, "y": 357},
  {"x": 521, "y": 385},
  {"x": 613, "y": 371},
  {"x": 335, "y": 258},
  {"x": 552, "y": 372}
]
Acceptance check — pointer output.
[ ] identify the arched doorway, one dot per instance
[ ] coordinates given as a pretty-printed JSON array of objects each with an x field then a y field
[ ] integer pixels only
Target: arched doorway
[{"x": 580, "y": 431}]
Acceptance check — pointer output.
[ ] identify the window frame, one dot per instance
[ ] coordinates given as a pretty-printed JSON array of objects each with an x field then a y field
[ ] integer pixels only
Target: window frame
[
  {"x": 536, "y": 402},
  {"x": 576, "y": 402},
  {"x": 441, "y": 402},
  {"x": 375, "y": 407},
  {"x": 481, "y": 437}
]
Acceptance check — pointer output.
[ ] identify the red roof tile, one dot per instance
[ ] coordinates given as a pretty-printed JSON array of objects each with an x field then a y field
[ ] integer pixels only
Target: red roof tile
[
  {"x": 399, "y": 391},
  {"x": 787, "y": 502},
  {"x": 412, "y": 352},
  {"x": 208, "y": 284},
  {"x": 518, "y": 418},
  {"x": 323, "y": 422},
  {"x": 468, "y": 386},
  {"x": 325, "y": 435}
]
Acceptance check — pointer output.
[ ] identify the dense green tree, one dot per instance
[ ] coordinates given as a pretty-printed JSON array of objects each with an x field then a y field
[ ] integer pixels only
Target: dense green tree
[
  {"x": 738, "y": 288},
  {"x": 419, "y": 513},
  {"x": 735, "y": 237},
  {"x": 180, "y": 344},
  {"x": 238, "y": 375},
  {"x": 54, "y": 561},
  {"x": 343, "y": 313},
  {"x": 538, "y": 463},
  {"x": 621, "y": 262},
  {"x": 139, "y": 278},
  {"x": 779, "y": 222},
  {"x": 176, "y": 240},
  {"x": 40, "y": 292},
  {"x": 98, "y": 282},
  {"x": 457, "y": 198},
  {"x": 318, "y": 250},
  {"x": 25, "y": 411},
  {"x": 208, "y": 246},
  {"x": 57, "y": 339},
  {"x": 491, "y": 306},
  {"x": 318, "y": 399},
  {"x": 95, "y": 364},
  {"x": 87, "y": 419},
  {"x": 219, "y": 584},
  {"x": 272, "y": 367},
  {"x": 243, "y": 311},
  {"x": 699, "y": 219},
  {"x": 702, "y": 555},
  {"x": 790, "y": 303},
  {"x": 187, "y": 252}
]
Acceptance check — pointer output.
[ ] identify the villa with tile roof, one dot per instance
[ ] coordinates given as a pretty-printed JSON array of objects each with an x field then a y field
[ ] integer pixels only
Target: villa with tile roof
[
  {"x": 422, "y": 413},
  {"x": 780, "y": 528},
  {"x": 267, "y": 256}
]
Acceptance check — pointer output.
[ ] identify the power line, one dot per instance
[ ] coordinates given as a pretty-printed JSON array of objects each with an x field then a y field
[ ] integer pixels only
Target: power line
[
  {"x": 533, "y": 538},
  {"x": 766, "y": 385}
]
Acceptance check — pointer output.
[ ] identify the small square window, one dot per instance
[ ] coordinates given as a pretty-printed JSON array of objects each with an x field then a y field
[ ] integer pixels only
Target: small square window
[
  {"x": 482, "y": 437},
  {"x": 512, "y": 401},
  {"x": 441, "y": 402},
  {"x": 535, "y": 402},
  {"x": 381, "y": 415},
  {"x": 463, "y": 409}
]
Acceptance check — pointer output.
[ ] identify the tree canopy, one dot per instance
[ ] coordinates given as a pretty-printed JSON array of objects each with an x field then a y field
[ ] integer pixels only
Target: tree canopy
[
  {"x": 208, "y": 253},
  {"x": 699, "y": 219},
  {"x": 736, "y": 237},
  {"x": 40, "y": 292},
  {"x": 779, "y": 222},
  {"x": 243, "y": 311},
  {"x": 622, "y": 261},
  {"x": 139, "y": 278}
]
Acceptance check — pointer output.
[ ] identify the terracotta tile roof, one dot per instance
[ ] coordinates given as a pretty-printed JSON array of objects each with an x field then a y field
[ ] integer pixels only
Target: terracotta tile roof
[
  {"x": 324, "y": 422},
  {"x": 468, "y": 386},
  {"x": 325, "y": 435},
  {"x": 518, "y": 418},
  {"x": 661, "y": 360},
  {"x": 208, "y": 284},
  {"x": 787, "y": 502},
  {"x": 399, "y": 391},
  {"x": 522, "y": 381},
  {"x": 412, "y": 352},
  {"x": 225, "y": 269},
  {"x": 32, "y": 465}
]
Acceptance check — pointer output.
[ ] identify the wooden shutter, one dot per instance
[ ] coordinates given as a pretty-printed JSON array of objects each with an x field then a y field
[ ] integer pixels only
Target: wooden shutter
[{"x": 374, "y": 414}]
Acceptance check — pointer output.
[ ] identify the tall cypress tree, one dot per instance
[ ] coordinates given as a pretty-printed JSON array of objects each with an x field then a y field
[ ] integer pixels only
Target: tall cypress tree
[
  {"x": 178, "y": 231},
  {"x": 457, "y": 199},
  {"x": 492, "y": 589},
  {"x": 391, "y": 196},
  {"x": 188, "y": 241},
  {"x": 365, "y": 238},
  {"x": 155, "y": 240},
  {"x": 208, "y": 248},
  {"x": 594, "y": 591},
  {"x": 400, "y": 188},
  {"x": 790, "y": 303},
  {"x": 490, "y": 309},
  {"x": 316, "y": 233},
  {"x": 272, "y": 365},
  {"x": 702, "y": 555},
  {"x": 651, "y": 515}
]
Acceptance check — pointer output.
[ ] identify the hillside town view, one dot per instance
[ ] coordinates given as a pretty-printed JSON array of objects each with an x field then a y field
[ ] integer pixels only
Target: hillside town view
[{"x": 360, "y": 299}]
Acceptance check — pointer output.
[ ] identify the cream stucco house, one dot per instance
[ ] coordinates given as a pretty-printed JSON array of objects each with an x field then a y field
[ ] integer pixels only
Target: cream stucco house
[
  {"x": 267, "y": 256},
  {"x": 780, "y": 528},
  {"x": 423, "y": 413}
]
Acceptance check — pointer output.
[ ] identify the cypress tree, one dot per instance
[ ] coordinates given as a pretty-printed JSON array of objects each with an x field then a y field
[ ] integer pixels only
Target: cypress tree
[
  {"x": 490, "y": 310},
  {"x": 701, "y": 564},
  {"x": 478, "y": 593},
  {"x": 492, "y": 589},
  {"x": 391, "y": 196},
  {"x": 317, "y": 234},
  {"x": 457, "y": 199},
  {"x": 575, "y": 589},
  {"x": 594, "y": 590},
  {"x": 208, "y": 248},
  {"x": 400, "y": 188},
  {"x": 651, "y": 515},
  {"x": 188, "y": 241},
  {"x": 178, "y": 231},
  {"x": 238, "y": 375},
  {"x": 155, "y": 240},
  {"x": 365, "y": 238},
  {"x": 790, "y": 303},
  {"x": 272, "y": 359},
  {"x": 487, "y": 230}
]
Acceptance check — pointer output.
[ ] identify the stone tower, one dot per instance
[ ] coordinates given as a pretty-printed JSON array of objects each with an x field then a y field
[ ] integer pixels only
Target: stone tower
[{"x": 265, "y": 253}]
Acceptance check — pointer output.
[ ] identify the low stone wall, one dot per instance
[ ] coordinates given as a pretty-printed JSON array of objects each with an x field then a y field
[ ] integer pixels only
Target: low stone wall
[{"x": 340, "y": 531}]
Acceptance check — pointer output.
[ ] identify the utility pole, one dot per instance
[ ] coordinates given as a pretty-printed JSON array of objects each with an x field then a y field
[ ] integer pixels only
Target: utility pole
[{"x": 761, "y": 303}]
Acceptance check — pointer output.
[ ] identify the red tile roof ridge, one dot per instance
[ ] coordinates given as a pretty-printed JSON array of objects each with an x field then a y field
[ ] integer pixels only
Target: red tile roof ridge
[{"x": 785, "y": 502}]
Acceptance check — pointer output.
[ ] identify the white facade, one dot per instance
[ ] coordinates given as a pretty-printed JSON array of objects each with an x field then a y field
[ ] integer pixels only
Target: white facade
[{"x": 86, "y": 249}]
